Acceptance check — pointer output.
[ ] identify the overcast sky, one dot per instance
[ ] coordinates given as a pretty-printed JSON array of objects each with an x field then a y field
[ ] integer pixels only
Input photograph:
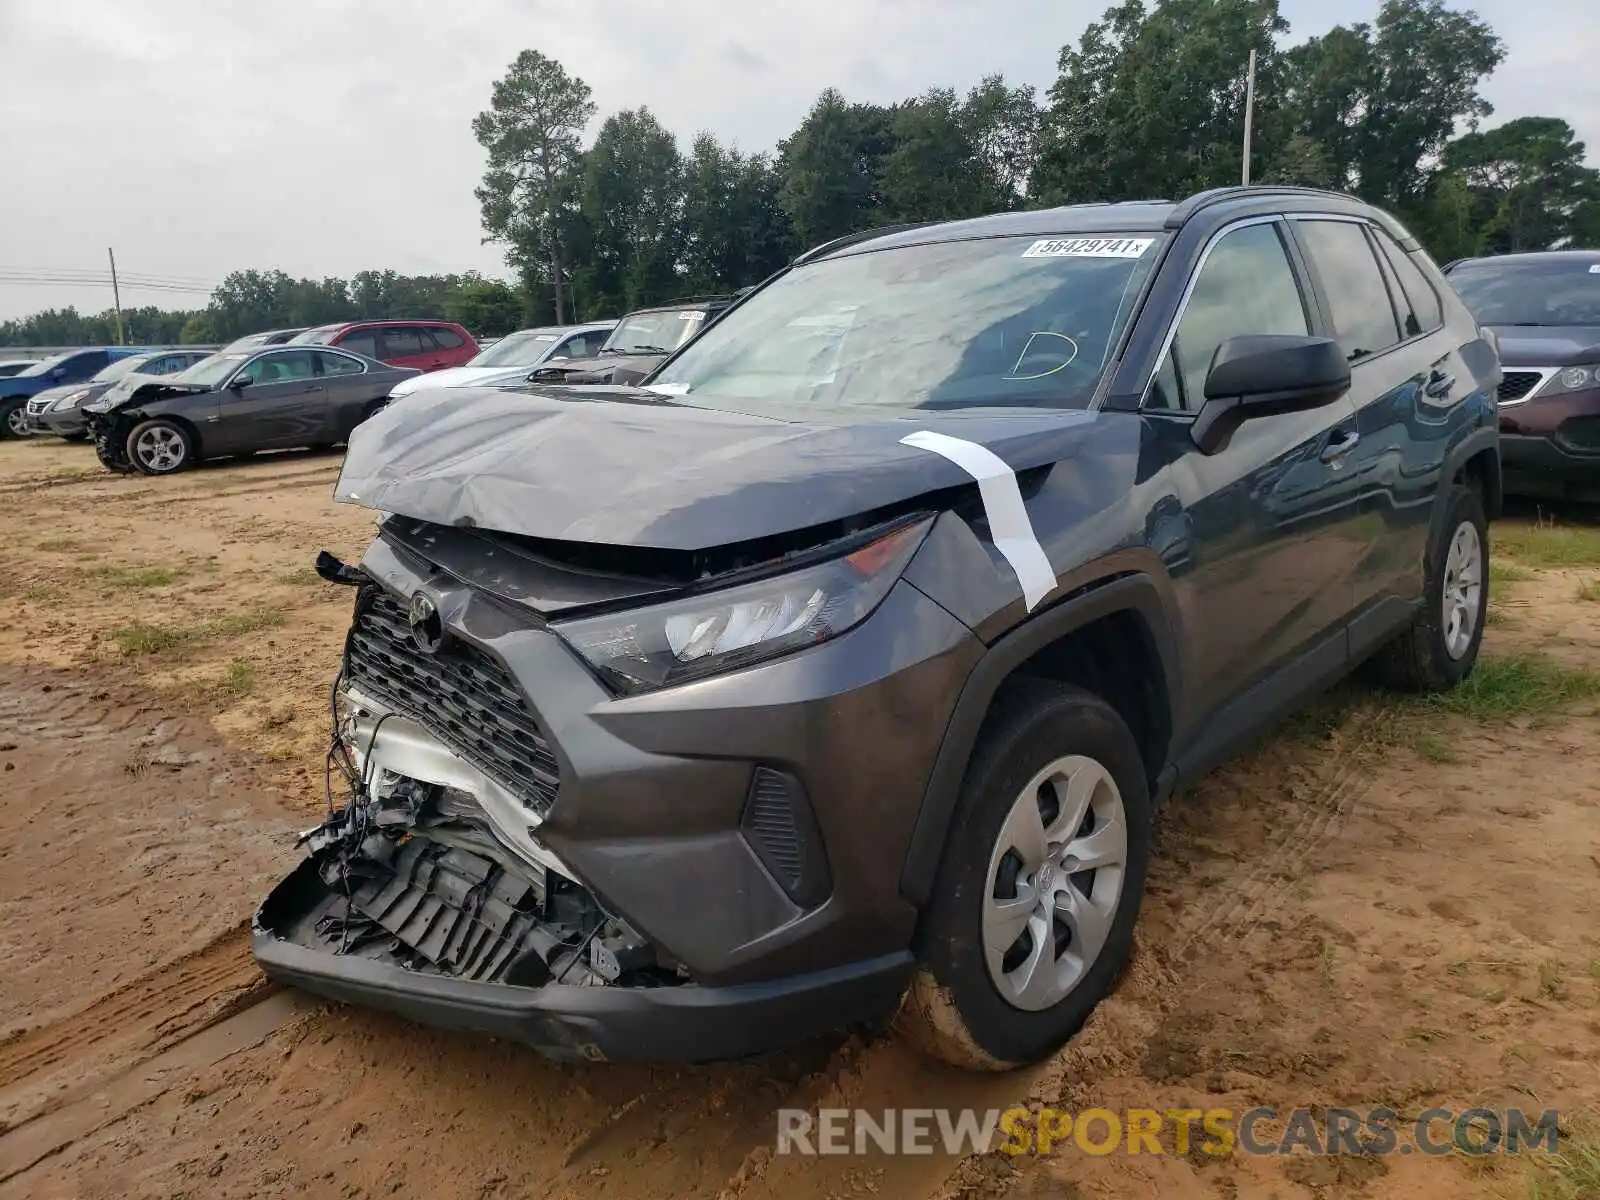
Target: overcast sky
[{"x": 202, "y": 136}]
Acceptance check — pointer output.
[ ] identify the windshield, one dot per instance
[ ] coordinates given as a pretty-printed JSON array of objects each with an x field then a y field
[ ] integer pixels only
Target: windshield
[
  {"x": 654, "y": 332},
  {"x": 209, "y": 372},
  {"x": 520, "y": 349},
  {"x": 1547, "y": 292},
  {"x": 992, "y": 323},
  {"x": 123, "y": 366},
  {"x": 315, "y": 337},
  {"x": 45, "y": 366}
]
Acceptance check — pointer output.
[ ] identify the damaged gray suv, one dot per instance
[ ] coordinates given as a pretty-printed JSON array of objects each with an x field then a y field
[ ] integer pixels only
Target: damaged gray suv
[{"x": 835, "y": 672}]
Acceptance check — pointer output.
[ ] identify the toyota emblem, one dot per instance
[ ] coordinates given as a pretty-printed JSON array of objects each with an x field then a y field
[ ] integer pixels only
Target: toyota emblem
[{"x": 427, "y": 630}]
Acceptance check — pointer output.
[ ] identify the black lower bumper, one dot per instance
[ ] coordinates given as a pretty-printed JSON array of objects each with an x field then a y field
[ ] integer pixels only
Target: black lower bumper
[
  {"x": 1539, "y": 466},
  {"x": 685, "y": 1022}
]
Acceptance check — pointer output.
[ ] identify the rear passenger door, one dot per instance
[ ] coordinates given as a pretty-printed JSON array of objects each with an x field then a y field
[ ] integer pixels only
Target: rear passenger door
[
  {"x": 410, "y": 346},
  {"x": 1407, "y": 384},
  {"x": 350, "y": 389},
  {"x": 1271, "y": 528}
]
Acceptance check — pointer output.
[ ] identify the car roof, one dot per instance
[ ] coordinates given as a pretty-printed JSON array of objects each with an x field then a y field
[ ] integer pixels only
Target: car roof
[
  {"x": 385, "y": 322},
  {"x": 1215, "y": 207},
  {"x": 1531, "y": 258}
]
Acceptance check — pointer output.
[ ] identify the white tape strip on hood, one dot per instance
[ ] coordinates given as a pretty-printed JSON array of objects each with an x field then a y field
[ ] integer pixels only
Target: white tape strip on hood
[{"x": 1002, "y": 504}]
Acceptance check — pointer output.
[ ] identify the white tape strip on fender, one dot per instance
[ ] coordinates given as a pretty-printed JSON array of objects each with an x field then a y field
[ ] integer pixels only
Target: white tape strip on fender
[{"x": 1002, "y": 504}]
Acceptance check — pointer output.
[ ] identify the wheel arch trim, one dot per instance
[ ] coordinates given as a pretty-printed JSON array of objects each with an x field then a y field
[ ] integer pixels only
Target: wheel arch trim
[{"x": 1138, "y": 594}]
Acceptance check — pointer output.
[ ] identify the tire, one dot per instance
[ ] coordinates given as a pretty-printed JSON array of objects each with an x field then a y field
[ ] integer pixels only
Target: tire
[
  {"x": 956, "y": 1009},
  {"x": 160, "y": 447},
  {"x": 12, "y": 415},
  {"x": 1438, "y": 651}
]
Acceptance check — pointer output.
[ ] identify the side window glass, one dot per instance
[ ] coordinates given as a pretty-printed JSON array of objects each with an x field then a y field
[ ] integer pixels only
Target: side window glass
[
  {"x": 364, "y": 341},
  {"x": 1359, "y": 302},
  {"x": 445, "y": 339},
  {"x": 338, "y": 364},
  {"x": 1245, "y": 286},
  {"x": 286, "y": 366},
  {"x": 1420, "y": 296},
  {"x": 402, "y": 341}
]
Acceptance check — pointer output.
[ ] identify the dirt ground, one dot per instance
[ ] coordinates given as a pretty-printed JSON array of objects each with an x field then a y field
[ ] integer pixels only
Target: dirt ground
[{"x": 1387, "y": 904}]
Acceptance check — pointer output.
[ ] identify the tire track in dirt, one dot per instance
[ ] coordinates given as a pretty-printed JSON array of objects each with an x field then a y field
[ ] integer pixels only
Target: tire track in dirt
[{"x": 144, "y": 1017}]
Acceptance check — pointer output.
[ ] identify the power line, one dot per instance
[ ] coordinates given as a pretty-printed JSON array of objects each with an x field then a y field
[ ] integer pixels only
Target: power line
[
  {"x": 7, "y": 280},
  {"x": 98, "y": 273}
]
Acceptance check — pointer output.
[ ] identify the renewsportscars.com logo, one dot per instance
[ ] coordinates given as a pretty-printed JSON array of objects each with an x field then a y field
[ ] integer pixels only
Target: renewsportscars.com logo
[{"x": 1218, "y": 1132}]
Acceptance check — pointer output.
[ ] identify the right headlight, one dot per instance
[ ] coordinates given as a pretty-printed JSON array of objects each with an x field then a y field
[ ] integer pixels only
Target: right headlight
[
  {"x": 71, "y": 400},
  {"x": 737, "y": 626},
  {"x": 1571, "y": 379}
]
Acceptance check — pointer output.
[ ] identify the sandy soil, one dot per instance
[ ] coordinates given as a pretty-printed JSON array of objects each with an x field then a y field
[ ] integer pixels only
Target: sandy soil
[{"x": 1380, "y": 906}]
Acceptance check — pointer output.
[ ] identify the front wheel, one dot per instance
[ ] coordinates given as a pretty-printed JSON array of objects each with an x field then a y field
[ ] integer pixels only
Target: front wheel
[
  {"x": 13, "y": 419},
  {"x": 1033, "y": 912},
  {"x": 160, "y": 447},
  {"x": 1439, "y": 649}
]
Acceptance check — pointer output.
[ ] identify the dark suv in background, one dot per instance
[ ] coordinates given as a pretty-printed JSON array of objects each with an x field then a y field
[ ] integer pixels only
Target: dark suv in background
[
  {"x": 1544, "y": 309},
  {"x": 841, "y": 667}
]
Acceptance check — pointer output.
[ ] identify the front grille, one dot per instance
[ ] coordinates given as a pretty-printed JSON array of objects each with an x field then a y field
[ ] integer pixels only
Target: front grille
[
  {"x": 1514, "y": 385},
  {"x": 35, "y": 407},
  {"x": 463, "y": 696}
]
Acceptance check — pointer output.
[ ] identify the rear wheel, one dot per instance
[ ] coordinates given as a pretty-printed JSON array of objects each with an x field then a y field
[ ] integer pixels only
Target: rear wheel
[
  {"x": 1033, "y": 913},
  {"x": 1440, "y": 648},
  {"x": 160, "y": 447},
  {"x": 13, "y": 419}
]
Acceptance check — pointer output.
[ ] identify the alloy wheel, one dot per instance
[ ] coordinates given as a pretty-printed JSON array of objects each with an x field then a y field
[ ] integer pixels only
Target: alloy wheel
[
  {"x": 1463, "y": 588},
  {"x": 1054, "y": 883},
  {"x": 17, "y": 422},
  {"x": 159, "y": 449}
]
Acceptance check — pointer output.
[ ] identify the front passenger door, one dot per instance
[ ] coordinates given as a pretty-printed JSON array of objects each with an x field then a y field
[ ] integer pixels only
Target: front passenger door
[
  {"x": 1273, "y": 535},
  {"x": 274, "y": 401}
]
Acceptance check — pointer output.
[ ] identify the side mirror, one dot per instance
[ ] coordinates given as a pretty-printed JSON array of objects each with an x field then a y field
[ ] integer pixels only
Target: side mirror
[
  {"x": 238, "y": 383},
  {"x": 1263, "y": 375}
]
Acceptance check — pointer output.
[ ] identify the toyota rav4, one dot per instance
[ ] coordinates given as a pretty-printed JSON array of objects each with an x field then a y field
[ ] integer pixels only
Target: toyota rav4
[{"x": 836, "y": 672}]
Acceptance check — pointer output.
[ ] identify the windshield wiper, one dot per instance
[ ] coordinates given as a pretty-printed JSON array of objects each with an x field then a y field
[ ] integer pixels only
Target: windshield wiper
[{"x": 648, "y": 350}]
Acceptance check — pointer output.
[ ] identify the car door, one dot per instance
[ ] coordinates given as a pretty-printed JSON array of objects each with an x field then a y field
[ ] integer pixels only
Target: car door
[
  {"x": 350, "y": 388},
  {"x": 1270, "y": 534},
  {"x": 1409, "y": 383},
  {"x": 409, "y": 346},
  {"x": 275, "y": 400}
]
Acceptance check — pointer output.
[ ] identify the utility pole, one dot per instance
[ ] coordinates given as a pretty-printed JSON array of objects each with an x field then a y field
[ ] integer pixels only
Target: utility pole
[
  {"x": 116, "y": 296},
  {"x": 1249, "y": 115}
]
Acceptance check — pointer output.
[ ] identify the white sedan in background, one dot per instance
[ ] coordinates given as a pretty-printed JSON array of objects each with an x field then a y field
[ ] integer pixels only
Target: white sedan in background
[{"x": 526, "y": 349}]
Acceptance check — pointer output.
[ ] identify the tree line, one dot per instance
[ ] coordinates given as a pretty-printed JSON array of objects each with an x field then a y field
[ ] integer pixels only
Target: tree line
[{"x": 1148, "y": 103}]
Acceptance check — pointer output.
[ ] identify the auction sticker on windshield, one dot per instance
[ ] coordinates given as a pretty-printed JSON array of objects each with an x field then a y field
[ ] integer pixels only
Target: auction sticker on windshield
[
  {"x": 1088, "y": 248},
  {"x": 692, "y": 316}
]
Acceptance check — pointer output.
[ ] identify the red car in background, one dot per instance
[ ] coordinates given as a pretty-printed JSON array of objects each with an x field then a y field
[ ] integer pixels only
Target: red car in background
[{"x": 425, "y": 345}]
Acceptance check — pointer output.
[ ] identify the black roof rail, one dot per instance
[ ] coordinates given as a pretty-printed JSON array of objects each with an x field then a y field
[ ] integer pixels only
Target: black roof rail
[
  {"x": 861, "y": 235},
  {"x": 1187, "y": 208}
]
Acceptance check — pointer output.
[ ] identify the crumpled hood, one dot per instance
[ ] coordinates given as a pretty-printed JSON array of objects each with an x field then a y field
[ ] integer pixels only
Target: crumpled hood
[
  {"x": 1548, "y": 345},
  {"x": 624, "y": 466}
]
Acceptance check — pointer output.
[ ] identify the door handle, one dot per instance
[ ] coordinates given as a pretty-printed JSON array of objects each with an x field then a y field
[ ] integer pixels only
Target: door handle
[
  {"x": 1439, "y": 383},
  {"x": 1340, "y": 444}
]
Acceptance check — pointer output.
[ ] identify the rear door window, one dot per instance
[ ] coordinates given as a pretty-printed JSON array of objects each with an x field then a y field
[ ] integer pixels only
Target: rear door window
[
  {"x": 445, "y": 339},
  {"x": 403, "y": 341},
  {"x": 1358, "y": 299},
  {"x": 1426, "y": 313},
  {"x": 337, "y": 364}
]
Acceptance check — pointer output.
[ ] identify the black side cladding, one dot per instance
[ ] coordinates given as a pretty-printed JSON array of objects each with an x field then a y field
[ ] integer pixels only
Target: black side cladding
[{"x": 462, "y": 695}]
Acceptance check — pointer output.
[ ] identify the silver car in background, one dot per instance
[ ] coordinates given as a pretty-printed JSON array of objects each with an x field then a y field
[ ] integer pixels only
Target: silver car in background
[{"x": 524, "y": 349}]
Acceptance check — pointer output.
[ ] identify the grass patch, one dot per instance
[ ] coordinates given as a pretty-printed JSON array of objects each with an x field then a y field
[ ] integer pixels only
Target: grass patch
[
  {"x": 1547, "y": 544},
  {"x": 1512, "y": 686},
  {"x": 1552, "y": 986},
  {"x": 238, "y": 677},
  {"x": 132, "y": 578},
  {"x": 299, "y": 577},
  {"x": 59, "y": 545},
  {"x": 144, "y": 638},
  {"x": 1572, "y": 1173},
  {"x": 1504, "y": 572},
  {"x": 1589, "y": 589}
]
